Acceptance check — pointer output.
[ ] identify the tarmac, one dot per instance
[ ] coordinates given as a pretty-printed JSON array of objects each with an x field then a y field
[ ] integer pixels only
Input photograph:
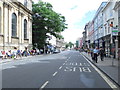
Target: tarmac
[{"x": 109, "y": 66}]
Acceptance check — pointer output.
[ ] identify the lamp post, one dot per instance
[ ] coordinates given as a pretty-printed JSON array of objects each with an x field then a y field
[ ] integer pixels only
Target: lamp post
[
  {"x": 116, "y": 47},
  {"x": 111, "y": 42}
]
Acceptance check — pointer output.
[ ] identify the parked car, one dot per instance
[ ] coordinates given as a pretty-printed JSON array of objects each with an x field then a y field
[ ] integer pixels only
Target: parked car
[{"x": 56, "y": 51}]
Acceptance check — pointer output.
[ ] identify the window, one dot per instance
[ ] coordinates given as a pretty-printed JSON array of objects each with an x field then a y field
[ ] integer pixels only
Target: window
[
  {"x": 25, "y": 3},
  {"x": 25, "y": 29},
  {"x": 14, "y": 25}
]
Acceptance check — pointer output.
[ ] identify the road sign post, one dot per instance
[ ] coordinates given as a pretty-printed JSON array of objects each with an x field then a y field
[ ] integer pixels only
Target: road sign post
[{"x": 115, "y": 33}]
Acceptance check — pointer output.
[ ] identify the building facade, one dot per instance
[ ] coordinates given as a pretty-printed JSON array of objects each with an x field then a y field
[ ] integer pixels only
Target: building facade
[
  {"x": 98, "y": 26},
  {"x": 117, "y": 24},
  {"x": 106, "y": 26},
  {"x": 108, "y": 20},
  {"x": 15, "y": 24}
]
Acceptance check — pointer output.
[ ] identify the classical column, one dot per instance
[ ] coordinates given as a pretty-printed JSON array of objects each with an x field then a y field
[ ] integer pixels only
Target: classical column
[
  {"x": 10, "y": 24},
  {"x": 30, "y": 31},
  {"x": 20, "y": 27},
  {"x": 5, "y": 24}
]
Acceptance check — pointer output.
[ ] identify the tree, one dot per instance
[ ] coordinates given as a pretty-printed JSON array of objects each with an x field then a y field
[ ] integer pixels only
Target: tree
[
  {"x": 45, "y": 21},
  {"x": 67, "y": 45},
  {"x": 70, "y": 45}
]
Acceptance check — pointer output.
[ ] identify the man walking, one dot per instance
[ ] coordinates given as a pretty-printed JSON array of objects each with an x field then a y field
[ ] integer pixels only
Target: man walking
[
  {"x": 101, "y": 53},
  {"x": 95, "y": 52}
]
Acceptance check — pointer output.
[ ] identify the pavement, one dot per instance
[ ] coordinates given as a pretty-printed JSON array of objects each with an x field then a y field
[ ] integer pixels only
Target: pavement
[
  {"x": 109, "y": 66},
  {"x": 11, "y": 59}
]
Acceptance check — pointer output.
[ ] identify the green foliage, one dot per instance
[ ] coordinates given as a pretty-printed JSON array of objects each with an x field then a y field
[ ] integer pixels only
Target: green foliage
[
  {"x": 67, "y": 45},
  {"x": 70, "y": 44},
  {"x": 45, "y": 20}
]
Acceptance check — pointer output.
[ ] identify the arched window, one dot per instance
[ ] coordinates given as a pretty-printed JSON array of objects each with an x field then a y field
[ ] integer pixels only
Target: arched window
[
  {"x": 14, "y": 25},
  {"x": 25, "y": 29}
]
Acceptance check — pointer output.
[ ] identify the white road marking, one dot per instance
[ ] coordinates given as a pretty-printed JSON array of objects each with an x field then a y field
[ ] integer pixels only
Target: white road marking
[
  {"x": 74, "y": 69},
  {"x": 69, "y": 57},
  {"x": 63, "y": 63},
  {"x": 44, "y": 85},
  {"x": 60, "y": 67},
  {"x": 55, "y": 74},
  {"x": 102, "y": 75},
  {"x": 76, "y": 64},
  {"x": 80, "y": 69}
]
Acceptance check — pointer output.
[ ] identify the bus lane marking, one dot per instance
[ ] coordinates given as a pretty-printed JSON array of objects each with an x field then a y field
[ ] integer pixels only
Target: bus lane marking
[{"x": 112, "y": 85}]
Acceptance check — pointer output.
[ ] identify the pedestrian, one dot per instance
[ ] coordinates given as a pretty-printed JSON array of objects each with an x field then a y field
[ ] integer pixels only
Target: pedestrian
[
  {"x": 91, "y": 52},
  {"x": 9, "y": 54},
  {"x": 101, "y": 53},
  {"x": 96, "y": 53},
  {"x": 25, "y": 52},
  {"x": 15, "y": 53},
  {"x": 4, "y": 56},
  {"x": 19, "y": 53}
]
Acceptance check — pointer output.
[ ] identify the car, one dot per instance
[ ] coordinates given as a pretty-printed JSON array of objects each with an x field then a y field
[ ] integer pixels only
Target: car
[{"x": 56, "y": 51}]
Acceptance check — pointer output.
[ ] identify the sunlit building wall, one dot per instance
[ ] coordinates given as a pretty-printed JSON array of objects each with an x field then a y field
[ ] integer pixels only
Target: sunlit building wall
[{"x": 15, "y": 24}]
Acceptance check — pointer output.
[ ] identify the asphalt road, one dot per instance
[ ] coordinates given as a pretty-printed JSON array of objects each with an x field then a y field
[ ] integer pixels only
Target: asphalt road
[{"x": 68, "y": 69}]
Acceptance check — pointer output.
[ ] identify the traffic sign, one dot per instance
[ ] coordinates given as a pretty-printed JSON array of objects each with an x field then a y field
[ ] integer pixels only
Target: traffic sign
[{"x": 115, "y": 31}]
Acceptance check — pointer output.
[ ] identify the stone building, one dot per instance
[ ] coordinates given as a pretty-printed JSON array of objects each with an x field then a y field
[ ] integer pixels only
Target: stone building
[{"x": 15, "y": 24}]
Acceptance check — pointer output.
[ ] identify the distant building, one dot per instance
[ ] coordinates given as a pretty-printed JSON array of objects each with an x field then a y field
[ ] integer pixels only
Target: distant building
[
  {"x": 15, "y": 24},
  {"x": 80, "y": 42},
  {"x": 60, "y": 44},
  {"x": 84, "y": 39}
]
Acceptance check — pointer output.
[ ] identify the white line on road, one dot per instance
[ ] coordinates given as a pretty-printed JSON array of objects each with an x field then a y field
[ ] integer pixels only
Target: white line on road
[
  {"x": 44, "y": 85},
  {"x": 63, "y": 63},
  {"x": 102, "y": 75},
  {"x": 60, "y": 67},
  {"x": 69, "y": 57},
  {"x": 55, "y": 74}
]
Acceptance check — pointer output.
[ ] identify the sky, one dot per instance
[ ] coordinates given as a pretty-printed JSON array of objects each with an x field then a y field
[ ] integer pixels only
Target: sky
[{"x": 77, "y": 13}]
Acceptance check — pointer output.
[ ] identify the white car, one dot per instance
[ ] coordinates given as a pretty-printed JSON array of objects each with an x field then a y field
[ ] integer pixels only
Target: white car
[{"x": 56, "y": 51}]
